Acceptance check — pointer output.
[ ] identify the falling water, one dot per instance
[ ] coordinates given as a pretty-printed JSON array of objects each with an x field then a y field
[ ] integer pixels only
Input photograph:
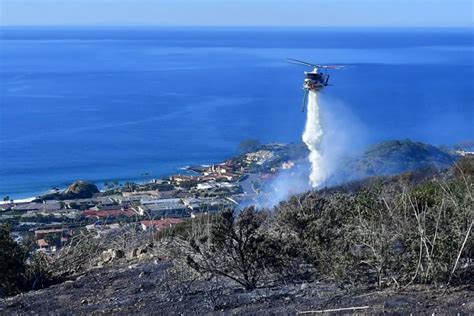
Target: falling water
[{"x": 312, "y": 136}]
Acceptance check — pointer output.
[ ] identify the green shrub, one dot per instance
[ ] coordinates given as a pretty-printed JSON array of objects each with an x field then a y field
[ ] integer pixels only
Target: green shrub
[
  {"x": 385, "y": 233},
  {"x": 12, "y": 267},
  {"x": 464, "y": 167}
]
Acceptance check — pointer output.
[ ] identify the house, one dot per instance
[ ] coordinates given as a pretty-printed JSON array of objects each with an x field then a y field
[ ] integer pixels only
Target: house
[
  {"x": 169, "y": 194},
  {"x": 101, "y": 226},
  {"x": 59, "y": 214},
  {"x": 43, "y": 232},
  {"x": 111, "y": 207},
  {"x": 138, "y": 195},
  {"x": 160, "y": 224},
  {"x": 207, "y": 204},
  {"x": 106, "y": 202},
  {"x": 205, "y": 186},
  {"x": 30, "y": 214},
  {"x": 164, "y": 208},
  {"x": 211, "y": 177},
  {"x": 180, "y": 179},
  {"x": 42, "y": 244},
  {"x": 50, "y": 239},
  {"x": 81, "y": 203},
  {"x": 259, "y": 157},
  {"x": 159, "y": 181},
  {"x": 38, "y": 207},
  {"x": 45, "y": 247},
  {"x": 229, "y": 176},
  {"x": 223, "y": 187},
  {"x": 223, "y": 168},
  {"x": 210, "y": 185},
  {"x": 219, "y": 169},
  {"x": 6, "y": 206},
  {"x": 66, "y": 213},
  {"x": 109, "y": 213}
]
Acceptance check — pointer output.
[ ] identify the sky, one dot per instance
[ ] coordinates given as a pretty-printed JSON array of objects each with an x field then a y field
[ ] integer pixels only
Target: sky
[{"x": 344, "y": 13}]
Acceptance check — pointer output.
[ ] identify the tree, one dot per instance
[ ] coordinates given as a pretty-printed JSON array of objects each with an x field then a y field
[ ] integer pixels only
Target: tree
[
  {"x": 6, "y": 199},
  {"x": 12, "y": 267},
  {"x": 188, "y": 184},
  {"x": 236, "y": 248},
  {"x": 249, "y": 145}
]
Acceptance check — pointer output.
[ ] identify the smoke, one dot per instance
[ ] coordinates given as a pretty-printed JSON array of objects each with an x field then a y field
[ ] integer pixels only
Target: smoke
[
  {"x": 343, "y": 138},
  {"x": 312, "y": 137}
]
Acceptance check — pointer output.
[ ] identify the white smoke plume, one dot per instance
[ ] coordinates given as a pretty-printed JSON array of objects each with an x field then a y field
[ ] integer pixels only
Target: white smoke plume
[
  {"x": 312, "y": 137},
  {"x": 343, "y": 136}
]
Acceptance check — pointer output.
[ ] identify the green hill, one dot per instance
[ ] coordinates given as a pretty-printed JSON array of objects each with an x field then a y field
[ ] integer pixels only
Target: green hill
[{"x": 392, "y": 157}]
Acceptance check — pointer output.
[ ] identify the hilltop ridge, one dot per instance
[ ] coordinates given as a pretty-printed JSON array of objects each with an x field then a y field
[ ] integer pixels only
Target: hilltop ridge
[{"x": 392, "y": 157}]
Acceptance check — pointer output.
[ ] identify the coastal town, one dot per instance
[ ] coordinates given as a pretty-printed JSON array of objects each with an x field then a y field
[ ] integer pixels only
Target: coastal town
[{"x": 52, "y": 220}]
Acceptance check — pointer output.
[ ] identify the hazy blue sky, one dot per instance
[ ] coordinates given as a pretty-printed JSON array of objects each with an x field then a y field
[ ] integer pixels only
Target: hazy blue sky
[{"x": 239, "y": 12}]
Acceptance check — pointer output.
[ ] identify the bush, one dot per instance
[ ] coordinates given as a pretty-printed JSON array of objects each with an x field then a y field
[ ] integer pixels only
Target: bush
[
  {"x": 236, "y": 247},
  {"x": 39, "y": 274},
  {"x": 385, "y": 233},
  {"x": 12, "y": 267},
  {"x": 19, "y": 270},
  {"x": 464, "y": 167}
]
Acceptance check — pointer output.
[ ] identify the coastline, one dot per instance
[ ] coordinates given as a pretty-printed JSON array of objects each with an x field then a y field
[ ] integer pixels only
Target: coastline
[
  {"x": 30, "y": 196},
  {"x": 24, "y": 200}
]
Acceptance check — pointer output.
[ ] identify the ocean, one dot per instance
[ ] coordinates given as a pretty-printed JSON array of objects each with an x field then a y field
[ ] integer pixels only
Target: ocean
[{"x": 123, "y": 104}]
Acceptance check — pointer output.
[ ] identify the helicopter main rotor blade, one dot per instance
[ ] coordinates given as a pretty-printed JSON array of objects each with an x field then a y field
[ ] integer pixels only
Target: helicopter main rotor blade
[
  {"x": 300, "y": 62},
  {"x": 303, "y": 62},
  {"x": 332, "y": 66},
  {"x": 294, "y": 63}
]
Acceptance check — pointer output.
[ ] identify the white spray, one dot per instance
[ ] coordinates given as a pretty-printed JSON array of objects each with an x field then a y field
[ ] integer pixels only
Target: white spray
[{"x": 312, "y": 137}]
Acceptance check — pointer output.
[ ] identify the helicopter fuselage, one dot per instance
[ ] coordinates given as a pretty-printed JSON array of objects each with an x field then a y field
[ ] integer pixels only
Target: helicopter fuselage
[{"x": 315, "y": 81}]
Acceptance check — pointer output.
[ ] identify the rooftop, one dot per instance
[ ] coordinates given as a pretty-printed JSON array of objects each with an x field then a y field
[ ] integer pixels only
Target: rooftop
[{"x": 162, "y": 223}]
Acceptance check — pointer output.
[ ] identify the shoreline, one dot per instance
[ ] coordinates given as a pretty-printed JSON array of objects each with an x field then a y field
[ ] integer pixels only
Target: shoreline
[{"x": 28, "y": 197}]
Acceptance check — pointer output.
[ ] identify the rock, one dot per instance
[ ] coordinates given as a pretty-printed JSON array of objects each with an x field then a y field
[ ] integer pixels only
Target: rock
[
  {"x": 81, "y": 190},
  {"x": 110, "y": 254},
  {"x": 106, "y": 256},
  {"x": 77, "y": 190},
  {"x": 140, "y": 251}
]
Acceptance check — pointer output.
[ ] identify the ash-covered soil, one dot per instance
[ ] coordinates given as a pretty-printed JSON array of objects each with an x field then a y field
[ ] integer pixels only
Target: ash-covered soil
[{"x": 149, "y": 288}]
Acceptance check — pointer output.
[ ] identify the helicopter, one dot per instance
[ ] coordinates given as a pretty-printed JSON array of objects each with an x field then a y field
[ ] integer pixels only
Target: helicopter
[{"x": 314, "y": 80}]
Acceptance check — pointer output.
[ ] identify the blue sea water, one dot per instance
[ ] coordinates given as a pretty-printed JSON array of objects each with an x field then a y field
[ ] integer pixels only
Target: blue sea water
[{"x": 113, "y": 103}]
